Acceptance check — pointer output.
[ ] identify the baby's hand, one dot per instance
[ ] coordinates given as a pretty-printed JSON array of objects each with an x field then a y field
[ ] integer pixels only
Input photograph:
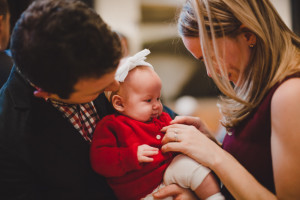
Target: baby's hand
[{"x": 145, "y": 152}]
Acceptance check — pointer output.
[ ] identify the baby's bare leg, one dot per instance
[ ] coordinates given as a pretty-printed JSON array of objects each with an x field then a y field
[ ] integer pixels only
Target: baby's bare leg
[
  {"x": 188, "y": 173},
  {"x": 208, "y": 187}
]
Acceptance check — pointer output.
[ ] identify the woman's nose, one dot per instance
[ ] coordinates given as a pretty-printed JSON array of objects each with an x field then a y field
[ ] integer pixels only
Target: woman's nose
[{"x": 114, "y": 86}]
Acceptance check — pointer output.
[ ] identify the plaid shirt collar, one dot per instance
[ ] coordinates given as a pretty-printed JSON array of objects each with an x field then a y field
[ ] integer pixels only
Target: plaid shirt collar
[{"x": 83, "y": 117}]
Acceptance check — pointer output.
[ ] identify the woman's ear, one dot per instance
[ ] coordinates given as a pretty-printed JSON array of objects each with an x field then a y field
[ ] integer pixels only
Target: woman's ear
[
  {"x": 117, "y": 102},
  {"x": 250, "y": 38}
]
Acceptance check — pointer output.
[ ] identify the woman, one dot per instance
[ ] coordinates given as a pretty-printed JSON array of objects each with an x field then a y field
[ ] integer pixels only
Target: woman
[{"x": 254, "y": 60}]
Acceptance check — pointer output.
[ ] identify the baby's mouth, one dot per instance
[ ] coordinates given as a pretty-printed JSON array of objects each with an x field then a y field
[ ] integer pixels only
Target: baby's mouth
[{"x": 154, "y": 115}]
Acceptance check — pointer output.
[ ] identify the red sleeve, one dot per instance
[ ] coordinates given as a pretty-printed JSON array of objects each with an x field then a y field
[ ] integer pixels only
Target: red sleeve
[
  {"x": 165, "y": 118},
  {"x": 106, "y": 157}
]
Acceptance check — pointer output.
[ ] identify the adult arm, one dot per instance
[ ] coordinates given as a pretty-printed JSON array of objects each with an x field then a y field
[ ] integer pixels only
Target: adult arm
[
  {"x": 285, "y": 118},
  {"x": 233, "y": 175}
]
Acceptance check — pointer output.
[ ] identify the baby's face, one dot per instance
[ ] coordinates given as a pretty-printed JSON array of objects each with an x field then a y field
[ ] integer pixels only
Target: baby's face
[{"x": 142, "y": 99}]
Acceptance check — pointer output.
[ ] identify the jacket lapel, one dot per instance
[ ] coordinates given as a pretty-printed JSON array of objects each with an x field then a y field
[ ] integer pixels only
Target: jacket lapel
[
  {"x": 51, "y": 126},
  {"x": 46, "y": 124}
]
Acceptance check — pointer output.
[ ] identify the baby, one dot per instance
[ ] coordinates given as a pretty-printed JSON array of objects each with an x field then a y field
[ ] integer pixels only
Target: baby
[{"x": 126, "y": 145}]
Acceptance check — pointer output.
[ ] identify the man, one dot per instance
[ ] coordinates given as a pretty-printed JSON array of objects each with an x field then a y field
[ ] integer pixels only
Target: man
[
  {"x": 65, "y": 56},
  {"x": 5, "y": 60}
]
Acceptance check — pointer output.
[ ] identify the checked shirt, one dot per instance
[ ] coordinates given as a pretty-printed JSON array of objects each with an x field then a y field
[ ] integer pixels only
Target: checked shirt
[{"x": 83, "y": 117}]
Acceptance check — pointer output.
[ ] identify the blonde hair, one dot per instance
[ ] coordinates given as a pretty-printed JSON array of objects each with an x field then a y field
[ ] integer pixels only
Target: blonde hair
[{"x": 274, "y": 57}]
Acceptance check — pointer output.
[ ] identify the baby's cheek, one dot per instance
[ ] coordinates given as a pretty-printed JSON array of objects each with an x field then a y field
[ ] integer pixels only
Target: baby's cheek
[{"x": 160, "y": 109}]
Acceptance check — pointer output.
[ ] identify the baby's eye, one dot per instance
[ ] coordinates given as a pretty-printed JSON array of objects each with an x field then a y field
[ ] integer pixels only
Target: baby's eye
[
  {"x": 158, "y": 99},
  {"x": 148, "y": 100}
]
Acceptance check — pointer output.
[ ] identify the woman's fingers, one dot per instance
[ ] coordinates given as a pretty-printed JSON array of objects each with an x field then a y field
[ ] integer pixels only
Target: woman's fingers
[
  {"x": 176, "y": 132},
  {"x": 193, "y": 121},
  {"x": 174, "y": 191},
  {"x": 172, "y": 146},
  {"x": 173, "y": 126},
  {"x": 171, "y": 135},
  {"x": 189, "y": 120},
  {"x": 167, "y": 191}
]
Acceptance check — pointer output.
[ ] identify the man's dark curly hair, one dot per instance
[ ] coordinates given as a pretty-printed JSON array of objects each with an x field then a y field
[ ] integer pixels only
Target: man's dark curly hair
[
  {"x": 3, "y": 7},
  {"x": 56, "y": 43}
]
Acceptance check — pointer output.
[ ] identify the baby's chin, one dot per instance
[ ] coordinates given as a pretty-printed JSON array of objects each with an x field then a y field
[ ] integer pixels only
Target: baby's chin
[
  {"x": 149, "y": 118},
  {"x": 154, "y": 116},
  {"x": 145, "y": 120}
]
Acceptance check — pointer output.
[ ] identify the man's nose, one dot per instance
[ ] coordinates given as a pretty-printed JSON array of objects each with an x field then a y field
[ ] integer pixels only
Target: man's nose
[{"x": 114, "y": 86}]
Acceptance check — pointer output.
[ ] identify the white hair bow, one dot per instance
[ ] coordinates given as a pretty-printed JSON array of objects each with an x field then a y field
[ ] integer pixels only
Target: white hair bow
[{"x": 130, "y": 63}]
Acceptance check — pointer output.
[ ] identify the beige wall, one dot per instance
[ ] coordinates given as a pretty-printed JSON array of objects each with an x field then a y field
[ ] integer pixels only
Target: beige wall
[{"x": 175, "y": 71}]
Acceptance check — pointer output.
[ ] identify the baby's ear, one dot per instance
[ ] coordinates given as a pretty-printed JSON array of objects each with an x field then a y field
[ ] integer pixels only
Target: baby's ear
[{"x": 117, "y": 102}]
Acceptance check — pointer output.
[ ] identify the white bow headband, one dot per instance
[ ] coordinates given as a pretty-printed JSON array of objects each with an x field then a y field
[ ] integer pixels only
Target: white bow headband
[{"x": 132, "y": 62}]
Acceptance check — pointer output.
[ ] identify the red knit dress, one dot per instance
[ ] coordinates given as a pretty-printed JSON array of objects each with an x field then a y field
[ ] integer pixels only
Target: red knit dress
[{"x": 114, "y": 154}]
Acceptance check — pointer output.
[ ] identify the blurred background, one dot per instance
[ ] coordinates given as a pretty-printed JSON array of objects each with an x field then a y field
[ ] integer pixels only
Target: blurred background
[{"x": 152, "y": 24}]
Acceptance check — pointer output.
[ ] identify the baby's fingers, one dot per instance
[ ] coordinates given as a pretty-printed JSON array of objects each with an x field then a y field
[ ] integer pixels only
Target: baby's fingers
[
  {"x": 146, "y": 159},
  {"x": 149, "y": 148},
  {"x": 150, "y": 153}
]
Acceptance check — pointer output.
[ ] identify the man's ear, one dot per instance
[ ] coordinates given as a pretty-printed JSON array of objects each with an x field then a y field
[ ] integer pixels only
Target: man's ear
[
  {"x": 1, "y": 29},
  {"x": 40, "y": 93},
  {"x": 117, "y": 102},
  {"x": 1, "y": 23}
]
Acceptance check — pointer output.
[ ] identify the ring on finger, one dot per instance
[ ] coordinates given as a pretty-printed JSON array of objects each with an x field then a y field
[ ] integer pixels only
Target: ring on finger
[{"x": 176, "y": 135}]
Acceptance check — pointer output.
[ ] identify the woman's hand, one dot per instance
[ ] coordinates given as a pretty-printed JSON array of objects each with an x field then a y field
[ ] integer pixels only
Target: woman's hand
[
  {"x": 194, "y": 121},
  {"x": 197, "y": 123},
  {"x": 178, "y": 193},
  {"x": 189, "y": 140}
]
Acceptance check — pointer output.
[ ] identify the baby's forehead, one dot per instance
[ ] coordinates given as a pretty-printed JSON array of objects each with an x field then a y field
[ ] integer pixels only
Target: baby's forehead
[
  {"x": 140, "y": 77},
  {"x": 139, "y": 71},
  {"x": 142, "y": 68}
]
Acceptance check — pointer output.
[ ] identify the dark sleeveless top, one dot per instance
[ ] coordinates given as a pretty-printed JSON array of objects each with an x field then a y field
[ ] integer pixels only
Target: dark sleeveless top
[{"x": 250, "y": 143}]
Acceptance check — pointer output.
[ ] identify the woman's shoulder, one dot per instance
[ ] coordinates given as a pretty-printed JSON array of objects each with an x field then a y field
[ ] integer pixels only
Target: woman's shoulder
[
  {"x": 285, "y": 106},
  {"x": 287, "y": 92},
  {"x": 285, "y": 123}
]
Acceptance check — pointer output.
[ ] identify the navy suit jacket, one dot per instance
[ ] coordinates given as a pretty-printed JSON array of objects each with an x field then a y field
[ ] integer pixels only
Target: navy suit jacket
[
  {"x": 42, "y": 156},
  {"x": 6, "y": 64}
]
